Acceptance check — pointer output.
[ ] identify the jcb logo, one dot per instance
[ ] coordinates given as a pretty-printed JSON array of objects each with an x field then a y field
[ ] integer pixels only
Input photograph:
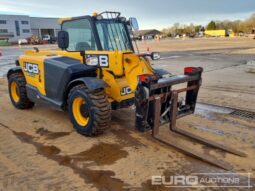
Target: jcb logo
[
  {"x": 31, "y": 68},
  {"x": 126, "y": 91}
]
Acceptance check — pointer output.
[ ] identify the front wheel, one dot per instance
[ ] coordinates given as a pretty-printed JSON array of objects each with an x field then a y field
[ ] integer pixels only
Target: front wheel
[
  {"x": 18, "y": 92},
  {"x": 89, "y": 112}
]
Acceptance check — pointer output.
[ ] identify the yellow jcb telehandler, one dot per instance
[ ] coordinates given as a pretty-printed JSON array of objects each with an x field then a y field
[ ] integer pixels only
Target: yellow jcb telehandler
[{"x": 95, "y": 70}]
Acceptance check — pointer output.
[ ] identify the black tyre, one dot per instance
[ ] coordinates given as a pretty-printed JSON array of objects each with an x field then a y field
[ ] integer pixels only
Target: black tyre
[
  {"x": 17, "y": 91},
  {"x": 89, "y": 112}
]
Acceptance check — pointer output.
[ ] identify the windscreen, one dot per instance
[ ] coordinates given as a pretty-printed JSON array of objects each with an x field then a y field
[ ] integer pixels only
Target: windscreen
[{"x": 113, "y": 35}]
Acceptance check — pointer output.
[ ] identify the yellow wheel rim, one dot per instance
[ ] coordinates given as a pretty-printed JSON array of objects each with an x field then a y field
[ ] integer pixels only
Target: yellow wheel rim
[
  {"x": 76, "y": 107},
  {"x": 15, "y": 92}
]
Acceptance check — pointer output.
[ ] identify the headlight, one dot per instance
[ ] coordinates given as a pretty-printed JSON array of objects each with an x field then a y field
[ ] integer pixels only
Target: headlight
[{"x": 92, "y": 61}]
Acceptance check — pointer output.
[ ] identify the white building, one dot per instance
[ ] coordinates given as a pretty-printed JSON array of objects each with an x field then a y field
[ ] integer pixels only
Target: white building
[{"x": 15, "y": 27}]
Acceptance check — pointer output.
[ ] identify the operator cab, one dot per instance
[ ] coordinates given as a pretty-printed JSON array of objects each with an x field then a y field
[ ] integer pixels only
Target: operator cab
[{"x": 107, "y": 31}]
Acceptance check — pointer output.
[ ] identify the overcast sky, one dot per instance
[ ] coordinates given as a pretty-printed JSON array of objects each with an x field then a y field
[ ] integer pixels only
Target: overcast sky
[{"x": 150, "y": 13}]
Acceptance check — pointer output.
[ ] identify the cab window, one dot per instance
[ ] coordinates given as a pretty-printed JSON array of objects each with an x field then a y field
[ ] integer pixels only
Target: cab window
[{"x": 81, "y": 36}]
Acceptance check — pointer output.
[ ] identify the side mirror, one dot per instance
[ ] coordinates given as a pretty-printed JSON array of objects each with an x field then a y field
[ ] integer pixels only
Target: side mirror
[
  {"x": 134, "y": 23},
  {"x": 155, "y": 55},
  {"x": 63, "y": 40}
]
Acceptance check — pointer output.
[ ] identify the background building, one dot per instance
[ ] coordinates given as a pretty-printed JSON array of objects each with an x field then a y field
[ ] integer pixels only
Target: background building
[
  {"x": 146, "y": 34},
  {"x": 44, "y": 26},
  {"x": 16, "y": 27}
]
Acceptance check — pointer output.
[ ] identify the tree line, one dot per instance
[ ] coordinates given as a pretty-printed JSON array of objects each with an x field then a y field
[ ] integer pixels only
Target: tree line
[{"x": 237, "y": 26}]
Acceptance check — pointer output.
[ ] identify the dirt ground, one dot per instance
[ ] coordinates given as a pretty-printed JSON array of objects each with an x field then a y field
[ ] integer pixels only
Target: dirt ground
[
  {"x": 39, "y": 149},
  {"x": 187, "y": 44}
]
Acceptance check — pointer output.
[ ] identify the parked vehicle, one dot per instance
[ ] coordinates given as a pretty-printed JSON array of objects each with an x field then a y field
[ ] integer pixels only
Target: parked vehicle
[
  {"x": 34, "y": 40},
  {"x": 46, "y": 37},
  {"x": 22, "y": 41},
  {"x": 50, "y": 39}
]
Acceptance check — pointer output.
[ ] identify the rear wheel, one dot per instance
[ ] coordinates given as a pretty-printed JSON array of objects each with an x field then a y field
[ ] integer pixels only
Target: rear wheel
[
  {"x": 90, "y": 112},
  {"x": 17, "y": 91}
]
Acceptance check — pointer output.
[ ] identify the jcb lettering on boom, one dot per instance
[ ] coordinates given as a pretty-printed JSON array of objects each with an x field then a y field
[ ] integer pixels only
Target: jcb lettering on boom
[
  {"x": 126, "y": 91},
  {"x": 103, "y": 60}
]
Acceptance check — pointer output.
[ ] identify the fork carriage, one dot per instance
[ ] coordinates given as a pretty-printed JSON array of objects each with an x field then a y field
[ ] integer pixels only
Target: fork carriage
[{"x": 157, "y": 103}]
